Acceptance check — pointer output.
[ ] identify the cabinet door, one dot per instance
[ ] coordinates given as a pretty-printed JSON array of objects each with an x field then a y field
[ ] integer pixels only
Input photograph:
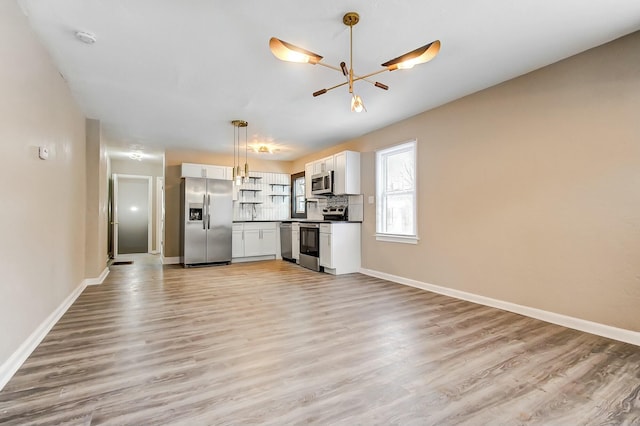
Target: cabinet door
[
  {"x": 237, "y": 243},
  {"x": 328, "y": 164},
  {"x": 295, "y": 244},
  {"x": 252, "y": 243},
  {"x": 317, "y": 167},
  {"x": 192, "y": 170},
  {"x": 216, "y": 172},
  {"x": 339, "y": 174},
  {"x": 326, "y": 256},
  {"x": 308, "y": 172},
  {"x": 346, "y": 175},
  {"x": 267, "y": 242}
]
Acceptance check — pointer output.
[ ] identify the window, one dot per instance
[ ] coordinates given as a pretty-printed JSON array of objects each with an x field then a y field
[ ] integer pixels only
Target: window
[
  {"x": 396, "y": 194},
  {"x": 298, "y": 202}
]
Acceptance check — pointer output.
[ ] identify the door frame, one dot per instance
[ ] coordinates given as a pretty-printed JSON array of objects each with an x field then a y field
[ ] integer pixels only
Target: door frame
[
  {"x": 159, "y": 216},
  {"x": 114, "y": 223}
]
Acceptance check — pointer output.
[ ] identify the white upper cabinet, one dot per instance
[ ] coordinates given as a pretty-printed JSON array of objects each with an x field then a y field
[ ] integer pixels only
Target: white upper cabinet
[
  {"x": 346, "y": 175},
  {"x": 308, "y": 172},
  {"x": 206, "y": 171},
  {"x": 346, "y": 172},
  {"x": 324, "y": 165}
]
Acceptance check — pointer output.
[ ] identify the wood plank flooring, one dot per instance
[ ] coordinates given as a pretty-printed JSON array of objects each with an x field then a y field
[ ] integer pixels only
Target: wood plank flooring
[{"x": 273, "y": 343}]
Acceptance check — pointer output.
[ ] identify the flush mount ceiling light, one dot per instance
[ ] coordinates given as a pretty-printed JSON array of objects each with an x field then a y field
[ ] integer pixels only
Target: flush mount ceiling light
[
  {"x": 85, "y": 37},
  {"x": 288, "y": 52},
  {"x": 136, "y": 155}
]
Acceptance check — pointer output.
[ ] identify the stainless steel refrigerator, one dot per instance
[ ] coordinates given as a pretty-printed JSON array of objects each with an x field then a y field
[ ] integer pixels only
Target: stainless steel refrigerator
[{"x": 207, "y": 217}]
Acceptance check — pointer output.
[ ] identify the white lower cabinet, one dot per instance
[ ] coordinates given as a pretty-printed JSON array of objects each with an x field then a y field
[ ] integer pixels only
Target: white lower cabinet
[
  {"x": 340, "y": 247},
  {"x": 237, "y": 240},
  {"x": 326, "y": 254},
  {"x": 254, "y": 240}
]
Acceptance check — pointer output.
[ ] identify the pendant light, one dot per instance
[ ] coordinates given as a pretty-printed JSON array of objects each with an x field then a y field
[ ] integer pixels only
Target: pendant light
[{"x": 239, "y": 174}]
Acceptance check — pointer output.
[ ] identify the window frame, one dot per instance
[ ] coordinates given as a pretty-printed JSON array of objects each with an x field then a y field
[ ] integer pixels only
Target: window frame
[
  {"x": 381, "y": 193},
  {"x": 293, "y": 200}
]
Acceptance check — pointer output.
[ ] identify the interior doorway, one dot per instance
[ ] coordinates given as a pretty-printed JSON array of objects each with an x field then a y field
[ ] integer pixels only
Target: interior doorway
[{"x": 132, "y": 209}]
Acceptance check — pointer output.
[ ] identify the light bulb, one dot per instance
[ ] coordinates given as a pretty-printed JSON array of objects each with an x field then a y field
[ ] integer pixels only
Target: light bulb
[{"x": 356, "y": 104}]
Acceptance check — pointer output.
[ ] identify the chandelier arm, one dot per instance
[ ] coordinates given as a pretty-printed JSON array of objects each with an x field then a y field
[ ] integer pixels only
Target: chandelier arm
[
  {"x": 364, "y": 77},
  {"x": 332, "y": 87},
  {"x": 331, "y": 66}
]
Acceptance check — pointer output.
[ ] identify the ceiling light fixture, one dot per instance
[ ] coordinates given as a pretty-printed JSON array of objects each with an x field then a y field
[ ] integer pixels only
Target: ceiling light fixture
[
  {"x": 136, "y": 155},
  {"x": 240, "y": 174},
  {"x": 85, "y": 37},
  {"x": 290, "y": 53}
]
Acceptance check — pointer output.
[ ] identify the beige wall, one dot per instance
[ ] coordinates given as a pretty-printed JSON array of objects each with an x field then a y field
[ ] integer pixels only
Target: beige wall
[
  {"x": 97, "y": 181},
  {"x": 42, "y": 219},
  {"x": 173, "y": 160},
  {"x": 529, "y": 191},
  {"x": 154, "y": 169}
]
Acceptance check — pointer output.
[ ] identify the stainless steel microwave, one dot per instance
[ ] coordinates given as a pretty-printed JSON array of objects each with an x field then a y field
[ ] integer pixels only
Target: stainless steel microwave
[{"x": 322, "y": 183}]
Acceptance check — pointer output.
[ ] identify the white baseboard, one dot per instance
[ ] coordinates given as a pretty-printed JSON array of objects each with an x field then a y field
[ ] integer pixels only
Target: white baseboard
[
  {"x": 15, "y": 361},
  {"x": 97, "y": 280},
  {"x": 603, "y": 330},
  {"x": 171, "y": 260}
]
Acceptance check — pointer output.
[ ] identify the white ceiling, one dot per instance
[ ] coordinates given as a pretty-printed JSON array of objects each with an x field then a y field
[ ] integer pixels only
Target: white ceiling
[{"x": 173, "y": 74}]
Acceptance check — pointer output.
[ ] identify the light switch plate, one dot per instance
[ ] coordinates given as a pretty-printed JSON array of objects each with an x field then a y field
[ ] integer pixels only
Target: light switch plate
[
  {"x": 43, "y": 152},
  {"x": 371, "y": 199}
]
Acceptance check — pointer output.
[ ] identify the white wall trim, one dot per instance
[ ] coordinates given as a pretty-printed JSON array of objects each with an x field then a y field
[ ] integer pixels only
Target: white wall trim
[
  {"x": 171, "y": 260},
  {"x": 15, "y": 361},
  {"x": 97, "y": 280},
  {"x": 603, "y": 330}
]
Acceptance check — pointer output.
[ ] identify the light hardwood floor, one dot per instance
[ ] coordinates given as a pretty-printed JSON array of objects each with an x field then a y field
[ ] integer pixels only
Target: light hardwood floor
[{"x": 271, "y": 342}]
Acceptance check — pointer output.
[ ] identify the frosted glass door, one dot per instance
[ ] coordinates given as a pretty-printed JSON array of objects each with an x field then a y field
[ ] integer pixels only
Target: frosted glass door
[{"x": 133, "y": 215}]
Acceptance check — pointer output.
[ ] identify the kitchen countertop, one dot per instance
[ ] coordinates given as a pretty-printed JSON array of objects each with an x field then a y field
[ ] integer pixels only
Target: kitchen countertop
[{"x": 298, "y": 220}]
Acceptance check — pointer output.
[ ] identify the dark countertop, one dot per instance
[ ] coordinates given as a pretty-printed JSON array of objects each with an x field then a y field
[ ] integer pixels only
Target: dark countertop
[
  {"x": 256, "y": 221},
  {"x": 319, "y": 221},
  {"x": 298, "y": 220}
]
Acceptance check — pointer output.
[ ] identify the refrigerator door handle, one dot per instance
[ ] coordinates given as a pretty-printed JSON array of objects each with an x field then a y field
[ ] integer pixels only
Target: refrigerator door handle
[
  {"x": 204, "y": 212},
  {"x": 208, "y": 211}
]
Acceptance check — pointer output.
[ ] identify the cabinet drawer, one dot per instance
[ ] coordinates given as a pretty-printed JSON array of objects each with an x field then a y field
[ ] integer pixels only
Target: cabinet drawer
[
  {"x": 325, "y": 228},
  {"x": 238, "y": 227},
  {"x": 259, "y": 225}
]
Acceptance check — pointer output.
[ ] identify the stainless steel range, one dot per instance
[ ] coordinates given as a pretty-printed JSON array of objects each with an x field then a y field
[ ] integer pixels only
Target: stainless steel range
[
  {"x": 310, "y": 245},
  {"x": 335, "y": 213}
]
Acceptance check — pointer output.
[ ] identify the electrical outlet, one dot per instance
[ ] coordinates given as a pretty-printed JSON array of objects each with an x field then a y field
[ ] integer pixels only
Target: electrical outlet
[{"x": 43, "y": 152}]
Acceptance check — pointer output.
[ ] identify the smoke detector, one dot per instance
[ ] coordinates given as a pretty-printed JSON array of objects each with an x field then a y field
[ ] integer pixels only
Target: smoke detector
[{"x": 85, "y": 37}]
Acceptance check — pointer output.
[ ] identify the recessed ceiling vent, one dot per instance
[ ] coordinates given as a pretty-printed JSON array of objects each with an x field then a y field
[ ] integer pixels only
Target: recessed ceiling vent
[{"x": 85, "y": 37}]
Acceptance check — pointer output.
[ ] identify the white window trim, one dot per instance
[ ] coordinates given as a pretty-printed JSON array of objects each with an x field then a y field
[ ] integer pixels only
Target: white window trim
[
  {"x": 392, "y": 238},
  {"x": 395, "y": 238}
]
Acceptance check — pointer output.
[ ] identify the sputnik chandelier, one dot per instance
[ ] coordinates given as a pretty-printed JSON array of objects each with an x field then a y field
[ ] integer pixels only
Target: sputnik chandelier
[{"x": 288, "y": 52}]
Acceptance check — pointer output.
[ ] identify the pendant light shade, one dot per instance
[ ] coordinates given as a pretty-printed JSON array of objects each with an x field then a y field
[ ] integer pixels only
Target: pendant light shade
[
  {"x": 239, "y": 174},
  {"x": 356, "y": 104},
  {"x": 290, "y": 53},
  {"x": 419, "y": 56}
]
